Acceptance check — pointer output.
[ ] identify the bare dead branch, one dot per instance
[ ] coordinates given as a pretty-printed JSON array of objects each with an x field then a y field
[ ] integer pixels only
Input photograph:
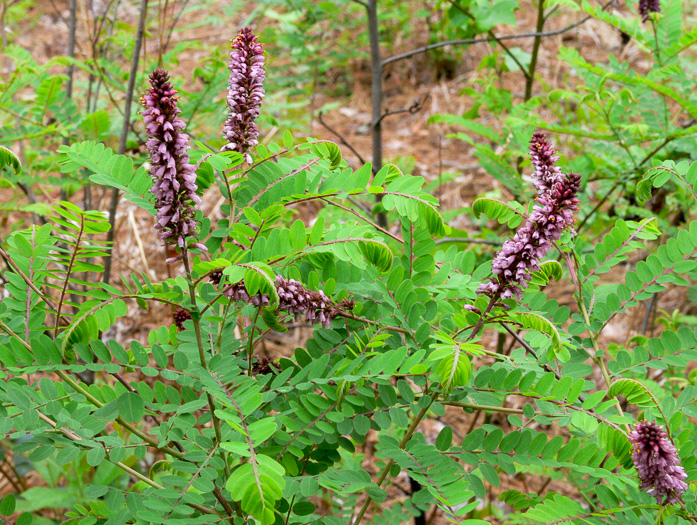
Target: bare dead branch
[{"x": 437, "y": 45}]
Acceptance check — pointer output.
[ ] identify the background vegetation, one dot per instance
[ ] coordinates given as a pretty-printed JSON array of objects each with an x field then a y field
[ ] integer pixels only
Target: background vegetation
[{"x": 393, "y": 163}]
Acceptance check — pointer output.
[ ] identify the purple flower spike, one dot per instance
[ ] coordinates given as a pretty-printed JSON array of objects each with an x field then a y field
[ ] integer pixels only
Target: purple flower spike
[
  {"x": 543, "y": 159},
  {"x": 554, "y": 212},
  {"x": 648, "y": 6},
  {"x": 657, "y": 463},
  {"x": 294, "y": 298},
  {"x": 245, "y": 93},
  {"x": 175, "y": 178}
]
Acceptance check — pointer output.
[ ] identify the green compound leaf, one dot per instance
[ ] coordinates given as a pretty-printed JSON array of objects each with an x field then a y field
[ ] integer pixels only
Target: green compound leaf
[
  {"x": 404, "y": 195},
  {"x": 376, "y": 253},
  {"x": 328, "y": 151},
  {"x": 109, "y": 169},
  {"x": 452, "y": 365},
  {"x": 258, "y": 486},
  {"x": 548, "y": 270},
  {"x": 496, "y": 210},
  {"x": 555, "y": 510},
  {"x": 259, "y": 278}
]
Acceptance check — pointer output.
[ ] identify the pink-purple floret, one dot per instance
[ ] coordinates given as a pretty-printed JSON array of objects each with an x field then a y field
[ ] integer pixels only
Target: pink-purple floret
[
  {"x": 657, "y": 463},
  {"x": 553, "y": 212},
  {"x": 646, "y": 7},
  {"x": 174, "y": 177},
  {"x": 245, "y": 93},
  {"x": 298, "y": 301}
]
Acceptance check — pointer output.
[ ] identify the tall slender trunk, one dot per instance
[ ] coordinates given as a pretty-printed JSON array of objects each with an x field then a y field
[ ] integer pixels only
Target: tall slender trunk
[
  {"x": 376, "y": 93},
  {"x": 530, "y": 79},
  {"x": 124, "y": 130},
  {"x": 70, "y": 71}
]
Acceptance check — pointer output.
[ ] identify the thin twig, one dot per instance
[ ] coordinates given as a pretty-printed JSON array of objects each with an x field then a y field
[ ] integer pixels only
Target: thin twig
[
  {"x": 347, "y": 315},
  {"x": 105, "y": 54},
  {"x": 171, "y": 27},
  {"x": 44, "y": 297},
  {"x": 373, "y": 224},
  {"x": 597, "y": 206},
  {"x": 385, "y": 471},
  {"x": 376, "y": 66},
  {"x": 341, "y": 138},
  {"x": 135, "y": 474},
  {"x": 201, "y": 351},
  {"x": 415, "y": 107},
  {"x": 532, "y": 352},
  {"x": 467, "y": 240},
  {"x": 71, "y": 48},
  {"x": 650, "y": 307},
  {"x": 70, "y": 71}
]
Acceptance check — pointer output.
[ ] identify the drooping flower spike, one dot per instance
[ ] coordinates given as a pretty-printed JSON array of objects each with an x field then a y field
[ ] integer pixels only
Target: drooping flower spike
[
  {"x": 294, "y": 298},
  {"x": 657, "y": 463},
  {"x": 245, "y": 93},
  {"x": 551, "y": 215},
  {"x": 298, "y": 301},
  {"x": 174, "y": 177}
]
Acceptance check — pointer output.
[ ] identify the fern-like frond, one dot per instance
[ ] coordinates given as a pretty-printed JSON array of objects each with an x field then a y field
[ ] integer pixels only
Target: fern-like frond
[
  {"x": 8, "y": 158},
  {"x": 512, "y": 213},
  {"x": 75, "y": 252}
]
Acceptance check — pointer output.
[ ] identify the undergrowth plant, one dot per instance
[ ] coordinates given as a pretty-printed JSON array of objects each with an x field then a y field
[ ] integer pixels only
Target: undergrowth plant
[{"x": 197, "y": 425}]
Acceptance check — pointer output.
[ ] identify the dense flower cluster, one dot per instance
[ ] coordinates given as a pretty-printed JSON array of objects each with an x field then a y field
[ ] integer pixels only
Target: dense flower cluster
[
  {"x": 215, "y": 276},
  {"x": 648, "y": 6},
  {"x": 180, "y": 316},
  {"x": 174, "y": 177},
  {"x": 245, "y": 92},
  {"x": 298, "y": 300},
  {"x": 553, "y": 212},
  {"x": 656, "y": 462},
  {"x": 238, "y": 293},
  {"x": 263, "y": 365}
]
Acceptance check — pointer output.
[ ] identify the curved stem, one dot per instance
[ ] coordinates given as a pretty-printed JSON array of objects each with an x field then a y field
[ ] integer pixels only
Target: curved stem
[
  {"x": 201, "y": 351},
  {"x": 598, "y": 357},
  {"x": 417, "y": 419},
  {"x": 386, "y": 470},
  {"x": 250, "y": 345}
]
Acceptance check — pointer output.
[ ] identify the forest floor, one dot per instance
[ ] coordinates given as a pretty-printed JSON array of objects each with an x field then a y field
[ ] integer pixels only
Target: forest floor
[{"x": 428, "y": 148}]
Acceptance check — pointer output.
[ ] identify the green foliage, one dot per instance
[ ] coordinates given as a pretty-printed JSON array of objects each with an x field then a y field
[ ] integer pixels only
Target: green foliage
[
  {"x": 493, "y": 209},
  {"x": 109, "y": 169}
]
